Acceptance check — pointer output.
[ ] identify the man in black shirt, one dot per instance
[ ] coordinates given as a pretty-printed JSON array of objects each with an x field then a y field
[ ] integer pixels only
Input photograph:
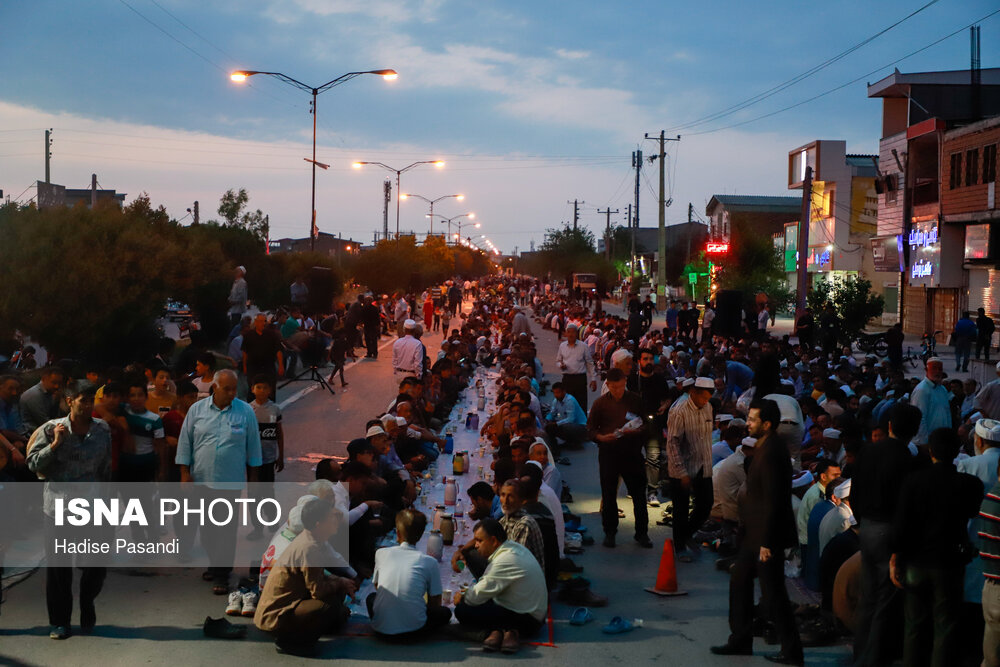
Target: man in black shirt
[
  {"x": 805, "y": 329},
  {"x": 370, "y": 317},
  {"x": 262, "y": 351},
  {"x": 653, "y": 393},
  {"x": 930, "y": 550},
  {"x": 616, "y": 425},
  {"x": 880, "y": 469},
  {"x": 985, "y": 327}
]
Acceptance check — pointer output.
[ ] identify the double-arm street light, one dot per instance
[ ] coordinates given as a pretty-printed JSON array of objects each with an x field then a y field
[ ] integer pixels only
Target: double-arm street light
[
  {"x": 432, "y": 202},
  {"x": 437, "y": 163},
  {"x": 239, "y": 76},
  {"x": 470, "y": 216}
]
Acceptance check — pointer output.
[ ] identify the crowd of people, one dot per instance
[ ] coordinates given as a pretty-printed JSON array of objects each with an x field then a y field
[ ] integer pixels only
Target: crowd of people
[
  {"x": 876, "y": 492},
  {"x": 796, "y": 455}
]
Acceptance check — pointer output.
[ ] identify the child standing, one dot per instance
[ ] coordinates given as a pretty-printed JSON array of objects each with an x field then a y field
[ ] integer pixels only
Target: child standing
[{"x": 272, "y": 438}]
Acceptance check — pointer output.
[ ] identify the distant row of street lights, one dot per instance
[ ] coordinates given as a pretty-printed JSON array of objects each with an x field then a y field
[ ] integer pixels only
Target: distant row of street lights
[{"x": 240, "y": 76}]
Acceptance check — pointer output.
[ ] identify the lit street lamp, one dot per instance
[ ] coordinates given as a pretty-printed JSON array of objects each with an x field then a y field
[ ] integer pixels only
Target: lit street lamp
[
  {"x": 470, "y": 216},
  {"x": 436, "y": 163},
  {"x": 239, "y": 76},
  {"x": 432, "y": 202}
]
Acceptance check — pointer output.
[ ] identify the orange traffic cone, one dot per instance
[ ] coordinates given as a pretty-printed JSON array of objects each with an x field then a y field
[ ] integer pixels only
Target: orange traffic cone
[{"x": 666, "y": 576}]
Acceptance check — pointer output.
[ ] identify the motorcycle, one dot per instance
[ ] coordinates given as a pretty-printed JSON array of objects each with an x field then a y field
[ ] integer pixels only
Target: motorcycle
[{"x": 872, "y": 343}]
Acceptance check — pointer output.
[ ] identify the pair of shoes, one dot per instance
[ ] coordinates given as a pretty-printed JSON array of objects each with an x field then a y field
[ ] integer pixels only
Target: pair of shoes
[
  {"x": 581, "y": 616},
  {"x": 783, "y": 659},
  {"x": 59, "y": 632},
  {"x": 493, "y": 642},
  {"x": 88, "y": 617},
  {"x": 731, "y": 649},
  {"x": 643, "y": 541},
  {"x": 652, "y": 500},
  {"x": 220, "y": 628},
  {"x": 609, "y": 541},
  {"x": 242, "y": 603},
  {"x": 511, "y": 642},
  {"x": 298, "y": 650}
]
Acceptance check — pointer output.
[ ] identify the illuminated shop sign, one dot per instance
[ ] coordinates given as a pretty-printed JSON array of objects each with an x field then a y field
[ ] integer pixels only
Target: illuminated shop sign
[
  {"x": 717, "y": 248},
  {"x": 922, "y": 269},
  {"x": 921, "y": 238}
]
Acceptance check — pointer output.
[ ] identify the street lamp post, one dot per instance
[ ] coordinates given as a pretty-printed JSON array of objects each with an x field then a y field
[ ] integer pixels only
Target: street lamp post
[
  {"x": 239, "y": 76},
  {"x": 398, "y": 172},
  {"x": 477, "y": 225},
  {"x": 470, "y": 216},
  {"x": 432, "y": 202}
]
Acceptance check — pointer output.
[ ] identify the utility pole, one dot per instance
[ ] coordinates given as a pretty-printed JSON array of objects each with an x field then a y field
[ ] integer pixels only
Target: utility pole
[
  {"x": 197, "y": 215},
  {"x": 637, "y": 163},
  {"x": 802, "y": 283},
  {"x": 387, "y": 189},
  {"x": 576, "y": 211},
  {"x": 48, "y": 152},
  {"x": 690, "y": 220},
  {"x": 607, "y": 232},
  {"x": 661, "y": 266},
  {"x": 93, "y": 191}
]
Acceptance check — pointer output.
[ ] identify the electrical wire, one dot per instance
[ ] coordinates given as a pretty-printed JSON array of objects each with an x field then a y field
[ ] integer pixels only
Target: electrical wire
[
  {"x": 739, "y": 106},
  {"x": 852, "y": 81}
]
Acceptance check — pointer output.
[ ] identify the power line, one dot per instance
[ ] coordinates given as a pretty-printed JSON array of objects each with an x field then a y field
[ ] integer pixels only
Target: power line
[
  {"x": 800, "y": 77},
  {"x": 852, "y": 81}
]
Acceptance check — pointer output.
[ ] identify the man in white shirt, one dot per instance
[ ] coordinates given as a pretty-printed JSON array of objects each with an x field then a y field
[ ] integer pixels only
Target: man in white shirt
[
  {"x": 510, "y": 599},
  {"x": 577, "y": 365},
  {"x": 763, "y": 320},
  {"x": 706, "y": 323},
  {"x": 408, "y": 352},
  {"x": 933, "y": 399},
  {"x": 403, "y": 576}
]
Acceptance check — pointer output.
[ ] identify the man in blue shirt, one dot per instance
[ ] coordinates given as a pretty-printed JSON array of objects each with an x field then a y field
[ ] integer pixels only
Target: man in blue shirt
[
  {"x": 933, "y": 400},
  {"x": 566, "y": 419},
  {"x": 738, "y": 377},
  {"x": 963, "y": 336},
  {"x": 219, "y": 441}
]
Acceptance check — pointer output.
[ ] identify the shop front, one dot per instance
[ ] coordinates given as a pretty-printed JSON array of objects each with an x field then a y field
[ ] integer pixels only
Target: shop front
[{"x": 934, "y": 277}]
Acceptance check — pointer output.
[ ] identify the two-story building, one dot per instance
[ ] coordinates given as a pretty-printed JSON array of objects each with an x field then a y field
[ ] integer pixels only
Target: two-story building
[{"x": 917, "y": 111}]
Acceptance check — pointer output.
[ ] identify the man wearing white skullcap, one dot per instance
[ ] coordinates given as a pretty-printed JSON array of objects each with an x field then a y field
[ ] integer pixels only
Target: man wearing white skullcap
[
  {"x": 833, "y": 447},
  {"x": 987, "y": 442},
  {"x": 408, "y": 353},
  {"x": 839, "y": 519},
  {"x": 988, "y": 398}
]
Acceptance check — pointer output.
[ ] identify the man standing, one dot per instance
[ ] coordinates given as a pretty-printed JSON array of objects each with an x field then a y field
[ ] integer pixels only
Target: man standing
[
  {"x": 408, "y": 352},
  {"x": 689, "y": 464},
  {"x": 262, "y": 353},
  {"x": 370, "y": 319},
  {"x": 219, "y": 440},
  {"x": 769, "y": 528},
  {"x": 805, "y": 328},
  {"x": 454, "y": 298},
  {"x": 763, "y": 321},
  {"x": 616, "y": 425},
  {"x": 299, "y": 292},
  {"x": 577, "y": 366},
  {"x": 653, "y": 393},
  {"x": 829, "y": 327},
  {"x": 931, "y": 549},
  {"x": 76, "y": 448},
  {"x": 706, "y": 322},
  {"x": 400, "y": 314},
  {"x": 40, "y": 403},
  {"x": 965, "y": 332},
  {"x": 519, "y": 325},
  {"x": 984, "y": 336},
  {"x": 933, "y": 400},
  {"x": 894, "y": 339},
  {"x": 647, "y": 308},
  {"x": 238, "y": 297}
]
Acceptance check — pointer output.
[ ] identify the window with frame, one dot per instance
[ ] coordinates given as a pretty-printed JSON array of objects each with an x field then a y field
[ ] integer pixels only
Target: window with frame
[
  {"x": 891, "y": 188},
  {"x": 955, "y": 179},
  {"x": 972, "y": 166},
  {"x": 990, "y": 163}
]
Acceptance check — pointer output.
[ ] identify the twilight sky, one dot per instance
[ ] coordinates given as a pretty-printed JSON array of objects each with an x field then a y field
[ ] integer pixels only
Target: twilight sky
[{"x": 530, "y": 104}]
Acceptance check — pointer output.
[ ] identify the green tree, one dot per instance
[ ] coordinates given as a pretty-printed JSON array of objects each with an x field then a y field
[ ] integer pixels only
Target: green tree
[
  {"x": 405, "y": 265},
  {"x": 233, "y": 207},
  {"x": 852, "y": 300},
  {"x": 566, "y": 251},
  {"x": 89, "y": 284}
]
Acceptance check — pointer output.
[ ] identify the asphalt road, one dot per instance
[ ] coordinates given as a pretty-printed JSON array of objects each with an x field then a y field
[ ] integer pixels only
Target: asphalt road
[{"x": 154, "y": 617}]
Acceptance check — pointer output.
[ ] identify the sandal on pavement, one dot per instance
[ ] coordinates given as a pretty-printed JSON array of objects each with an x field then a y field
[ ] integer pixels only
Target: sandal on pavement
[
  {"x": 617, "y": 626},
  {"x": 581, "y": 616}
]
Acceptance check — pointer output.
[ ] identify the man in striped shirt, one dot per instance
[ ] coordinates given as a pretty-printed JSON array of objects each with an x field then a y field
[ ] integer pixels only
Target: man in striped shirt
[{"x": 689, "y": 464}]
